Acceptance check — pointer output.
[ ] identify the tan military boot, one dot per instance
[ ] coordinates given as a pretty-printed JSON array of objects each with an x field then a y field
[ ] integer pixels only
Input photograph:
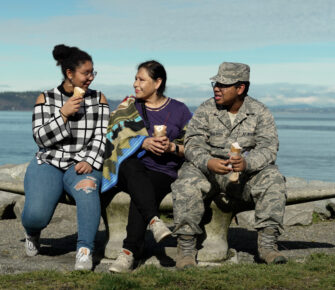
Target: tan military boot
[
  {"x": 267, "y": 247},
  {"x": 186, "y": 252}
]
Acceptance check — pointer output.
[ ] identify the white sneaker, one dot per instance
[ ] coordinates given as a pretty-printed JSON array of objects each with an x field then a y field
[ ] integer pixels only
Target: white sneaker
[
  {"x": 124, "y": 262},
  {"x": 83, "y": 259},
  {"x": 159, "y": 229},
  {"x": 32, "y": 245}
]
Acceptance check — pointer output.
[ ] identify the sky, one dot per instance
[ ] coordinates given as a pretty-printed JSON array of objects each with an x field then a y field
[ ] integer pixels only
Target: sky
[{"x": 289, "y": 45}]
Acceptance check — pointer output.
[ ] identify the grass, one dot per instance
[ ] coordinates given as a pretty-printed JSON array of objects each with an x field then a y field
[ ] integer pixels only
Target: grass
[
  {"x": 317, "y": 272},
  {"x": 318, "y": 218}
]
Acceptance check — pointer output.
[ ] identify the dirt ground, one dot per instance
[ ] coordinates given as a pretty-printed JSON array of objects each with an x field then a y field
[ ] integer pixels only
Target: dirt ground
[{"x": 58, "y": 242}]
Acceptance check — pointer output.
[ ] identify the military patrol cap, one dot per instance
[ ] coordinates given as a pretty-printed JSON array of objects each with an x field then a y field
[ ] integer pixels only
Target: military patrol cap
[{"x": 231, "y": 73}]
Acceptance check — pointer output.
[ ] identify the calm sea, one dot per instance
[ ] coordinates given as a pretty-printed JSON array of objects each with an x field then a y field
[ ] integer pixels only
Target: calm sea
[{"x": 306, "y": 142}]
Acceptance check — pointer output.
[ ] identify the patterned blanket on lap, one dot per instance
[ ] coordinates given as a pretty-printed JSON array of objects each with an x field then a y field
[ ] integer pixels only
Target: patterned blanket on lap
[{"x": 125, "y": 134}]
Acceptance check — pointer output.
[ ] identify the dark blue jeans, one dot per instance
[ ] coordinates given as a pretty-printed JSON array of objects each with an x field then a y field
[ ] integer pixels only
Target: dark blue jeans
[{"x": 44, "y": 184}]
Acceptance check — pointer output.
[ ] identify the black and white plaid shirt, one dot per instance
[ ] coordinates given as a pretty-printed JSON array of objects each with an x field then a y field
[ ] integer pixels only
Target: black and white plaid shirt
[{"x": 81, "y": 138}]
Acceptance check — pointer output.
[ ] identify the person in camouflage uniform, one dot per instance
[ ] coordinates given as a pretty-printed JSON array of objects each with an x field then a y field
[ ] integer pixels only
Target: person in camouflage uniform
[{"x": 231, "y": 116}]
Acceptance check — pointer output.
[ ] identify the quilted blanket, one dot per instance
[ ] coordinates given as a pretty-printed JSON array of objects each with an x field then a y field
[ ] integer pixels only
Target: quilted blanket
[{"x": 125, "y": 134}]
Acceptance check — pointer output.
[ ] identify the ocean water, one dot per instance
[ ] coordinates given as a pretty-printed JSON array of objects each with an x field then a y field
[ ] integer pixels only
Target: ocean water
[
  {"x": 306, "y": 145},
  {"x": 16, "y": 141},
  {"x": 306, "y": 142}
]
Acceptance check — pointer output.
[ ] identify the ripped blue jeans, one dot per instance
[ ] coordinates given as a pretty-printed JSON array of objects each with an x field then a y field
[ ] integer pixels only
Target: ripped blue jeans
[{"x": 44, "y": 184}]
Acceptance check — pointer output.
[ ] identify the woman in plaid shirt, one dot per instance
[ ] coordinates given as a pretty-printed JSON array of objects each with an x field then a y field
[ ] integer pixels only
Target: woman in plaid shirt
[{"x": 70, "y": 133}]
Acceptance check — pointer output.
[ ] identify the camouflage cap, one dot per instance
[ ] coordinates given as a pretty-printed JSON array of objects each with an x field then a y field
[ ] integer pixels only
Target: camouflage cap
[{"x": 231, "y": 73}]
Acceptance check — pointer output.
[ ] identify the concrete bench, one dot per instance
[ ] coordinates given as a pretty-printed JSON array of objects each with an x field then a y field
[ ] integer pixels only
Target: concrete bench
[{"x": 216, "y": 223}]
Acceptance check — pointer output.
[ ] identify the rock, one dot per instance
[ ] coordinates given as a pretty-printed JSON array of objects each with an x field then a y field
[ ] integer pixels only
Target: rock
[
  {"x": 320, "y": 183},
  {"x": 12, "y": 176},
  {"x": 215, "y": 246},
  {"x": 299, "y": 214},
  {"x": 7, "y": 202},
  {"x": 295, "y": 182},
  {"x": 323, "y": 207},
  {"x": 302, "y": 191},
  {"x": 14, "y": 171},
  {"x": 331, "y": 206},
  {"x": 18, "y": 207}
]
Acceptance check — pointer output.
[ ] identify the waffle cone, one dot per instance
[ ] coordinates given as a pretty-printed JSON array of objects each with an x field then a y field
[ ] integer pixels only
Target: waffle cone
[
  {"x": 78, "y": 92},
  {"x": 159, "y": 130},
  {"x": 234, "y": 176},
  {"x": 235, "y": 150}
]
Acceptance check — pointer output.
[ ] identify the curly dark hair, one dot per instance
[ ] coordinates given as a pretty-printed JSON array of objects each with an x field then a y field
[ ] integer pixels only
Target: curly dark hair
[{"x": 69, "y": 57}]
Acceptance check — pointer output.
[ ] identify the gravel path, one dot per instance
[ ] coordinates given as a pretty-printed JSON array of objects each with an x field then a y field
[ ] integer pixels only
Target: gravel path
[{"x": 59, "y": 238}]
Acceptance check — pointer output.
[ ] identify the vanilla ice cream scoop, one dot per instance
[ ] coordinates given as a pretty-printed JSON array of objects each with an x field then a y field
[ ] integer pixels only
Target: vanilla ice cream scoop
[{"x": 235, "y": 148}]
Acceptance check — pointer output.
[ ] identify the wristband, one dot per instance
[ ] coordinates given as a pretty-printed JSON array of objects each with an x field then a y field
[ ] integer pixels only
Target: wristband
[{"x": 63, "y": 114}]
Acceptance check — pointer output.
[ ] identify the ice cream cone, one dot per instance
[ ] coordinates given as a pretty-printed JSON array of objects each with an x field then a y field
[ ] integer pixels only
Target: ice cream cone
[
  {"x": 235, "y": 150},
  {"x": 78, "y": 92},
  {"x": 159, "y": 130},
  {"x": 234, "y": 176}
]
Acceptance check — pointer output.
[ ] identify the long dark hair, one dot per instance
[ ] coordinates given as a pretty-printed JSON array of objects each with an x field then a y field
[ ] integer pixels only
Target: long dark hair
[
  {"x": 69, "y": 57},
  {"x": 155, "y": 70}
]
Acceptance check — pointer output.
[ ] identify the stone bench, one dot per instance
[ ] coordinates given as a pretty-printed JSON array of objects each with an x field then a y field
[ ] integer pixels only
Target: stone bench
[{"x": 214, "y": 246}]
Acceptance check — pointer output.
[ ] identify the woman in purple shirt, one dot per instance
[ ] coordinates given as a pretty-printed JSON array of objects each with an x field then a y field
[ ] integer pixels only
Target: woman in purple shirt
[{"x": 147, "y": 179}]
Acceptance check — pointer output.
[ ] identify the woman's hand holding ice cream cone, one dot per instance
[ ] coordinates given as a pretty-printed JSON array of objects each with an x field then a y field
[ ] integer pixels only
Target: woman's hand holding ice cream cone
[
  {"x": 159, "y": 143},
  {"x": 72, "y": 105},
  {"x": 156, "y": 145}
]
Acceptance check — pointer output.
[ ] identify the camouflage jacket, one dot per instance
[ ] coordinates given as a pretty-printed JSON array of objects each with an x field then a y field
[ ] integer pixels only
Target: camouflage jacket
[{"x": 210, "y": 135}]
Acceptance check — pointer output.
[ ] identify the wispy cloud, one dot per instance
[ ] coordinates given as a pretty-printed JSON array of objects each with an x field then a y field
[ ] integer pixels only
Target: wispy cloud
[
  {"x": 178, "y": 25},
  {"x": 226, "y": 23},
  {"x": 293, "y": 94},
  {"x": 283, "y": 41}
]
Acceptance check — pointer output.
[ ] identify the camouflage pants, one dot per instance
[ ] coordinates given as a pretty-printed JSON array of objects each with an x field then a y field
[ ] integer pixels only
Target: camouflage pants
[{"x": 266, "y": 191}]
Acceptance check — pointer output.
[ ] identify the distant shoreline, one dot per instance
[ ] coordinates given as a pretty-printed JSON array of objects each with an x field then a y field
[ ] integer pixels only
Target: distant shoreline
[{"x": 25, "y": 101}]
